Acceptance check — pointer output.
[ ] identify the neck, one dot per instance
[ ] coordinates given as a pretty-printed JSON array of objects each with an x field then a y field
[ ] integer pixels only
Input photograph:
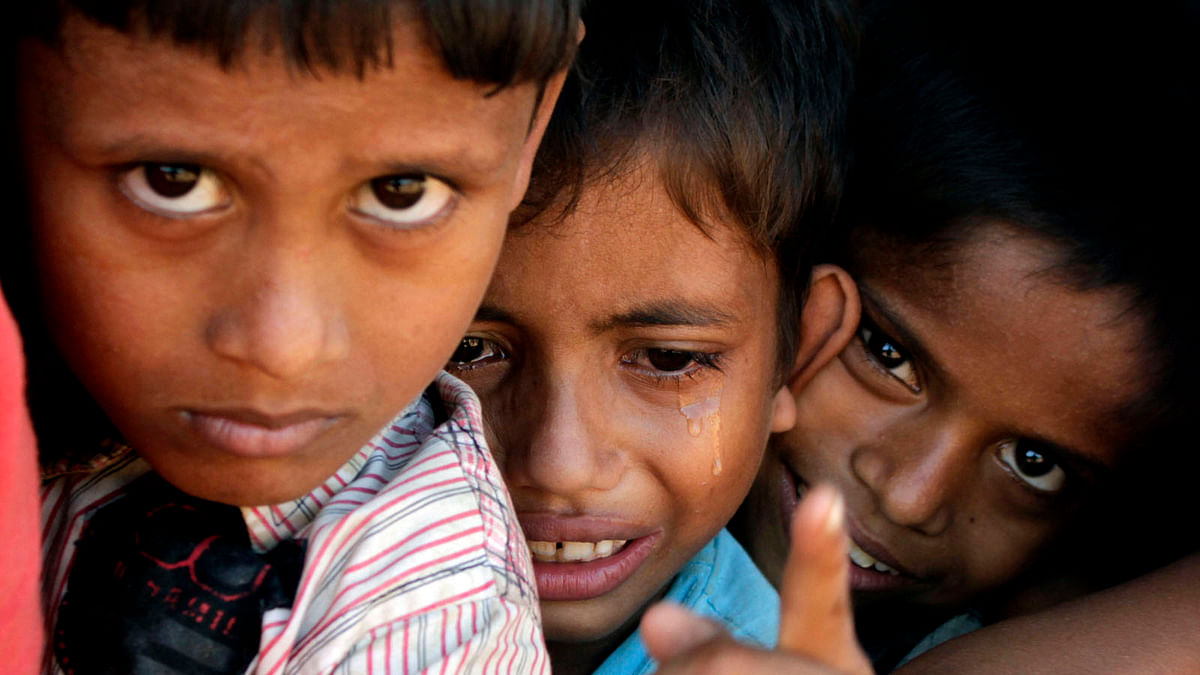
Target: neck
[{"x": 580, "y": 658}]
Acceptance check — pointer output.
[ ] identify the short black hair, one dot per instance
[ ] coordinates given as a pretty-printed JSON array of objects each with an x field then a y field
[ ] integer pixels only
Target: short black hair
[
  {"x": 503, "y": 42},
  {"x": 741, "y": 105},
  {"x": 1075, "y": 122}
]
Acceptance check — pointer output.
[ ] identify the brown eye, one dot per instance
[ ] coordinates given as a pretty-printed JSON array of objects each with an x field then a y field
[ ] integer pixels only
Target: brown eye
[
  {"x": 175, "y": 190},
  {"x": 404, "y": 201},
  {"x": 1033, "y": 465},
  {"x": 398, "y": 192},
  {"x": 172, "y": 180},
  {"x": 669, "y": 360},
  {"x": 888, "y": 355},
  {"x": 883, "y": 349},
  {"x": 475, "y": 351}
]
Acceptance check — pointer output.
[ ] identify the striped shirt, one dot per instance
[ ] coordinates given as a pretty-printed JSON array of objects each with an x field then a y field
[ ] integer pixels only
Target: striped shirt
[{"x": 415, "y": 561}]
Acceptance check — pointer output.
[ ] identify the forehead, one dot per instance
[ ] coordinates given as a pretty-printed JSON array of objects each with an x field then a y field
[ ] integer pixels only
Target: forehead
[
  {"x": 1008, "y": 337},
  {"x": 625, "y": 246},
  {"x": 102, "y": 89}
]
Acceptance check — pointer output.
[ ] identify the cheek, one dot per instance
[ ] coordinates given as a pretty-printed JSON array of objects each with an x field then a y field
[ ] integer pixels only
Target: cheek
[
  {"x": 835, "y": 416},
  {"x": 997, "y": 549},
  {"x": 107, "y": 318},
  {"x": 718, "y": 439}
]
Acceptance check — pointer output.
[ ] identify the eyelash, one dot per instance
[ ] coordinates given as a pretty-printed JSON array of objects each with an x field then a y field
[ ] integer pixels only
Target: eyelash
[
  {"x": 868, "y": 329},
  {"x": 701, "y": 364},
  {"x": 499, "y": 354}
]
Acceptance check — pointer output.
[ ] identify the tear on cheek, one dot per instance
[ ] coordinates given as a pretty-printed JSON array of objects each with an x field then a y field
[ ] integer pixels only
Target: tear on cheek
[{"x": 701, "y": 411}]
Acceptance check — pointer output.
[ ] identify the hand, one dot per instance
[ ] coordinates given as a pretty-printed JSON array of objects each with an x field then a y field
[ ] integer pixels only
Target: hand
[{"x": 816, "y": 627}]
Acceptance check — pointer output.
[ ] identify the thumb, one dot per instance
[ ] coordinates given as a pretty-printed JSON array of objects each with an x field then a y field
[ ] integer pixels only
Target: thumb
[
  {"x": 816, "y": 619},
  {"x": 669, "y": 631}
]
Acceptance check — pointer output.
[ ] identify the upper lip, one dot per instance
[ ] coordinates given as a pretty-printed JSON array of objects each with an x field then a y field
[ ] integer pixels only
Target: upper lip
[
  {"x": 552, "y": 527},
  {"x": 253, "y": 417}
]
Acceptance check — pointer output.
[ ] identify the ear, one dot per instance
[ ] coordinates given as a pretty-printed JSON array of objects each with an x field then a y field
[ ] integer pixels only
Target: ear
[
  {"x": 537, "y": 127},
  {"x": 827, "y": 323}
]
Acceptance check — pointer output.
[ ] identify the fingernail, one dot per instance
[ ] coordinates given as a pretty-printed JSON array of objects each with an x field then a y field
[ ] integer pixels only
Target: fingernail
[{"x": 836, "y": 514}]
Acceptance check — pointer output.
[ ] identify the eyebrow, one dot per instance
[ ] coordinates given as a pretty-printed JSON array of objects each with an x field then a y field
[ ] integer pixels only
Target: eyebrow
[
  {"x": 147, "y": 148},
  {"x": 447, "y": 163},
  {"x": 650, "y": 314},
  {"x": 152, "y": 148},
  {"x": 492, "y": 313},
  {"x": 662, "y": 313},
  {"x": 1093, "y": 469}
]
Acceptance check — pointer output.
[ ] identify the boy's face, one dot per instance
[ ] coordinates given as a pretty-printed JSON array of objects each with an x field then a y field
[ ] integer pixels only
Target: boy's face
[
  {"x": 253, "y": 270},
  {"x": 626, "y": 365},
  {"x": 976, "y": 408}
]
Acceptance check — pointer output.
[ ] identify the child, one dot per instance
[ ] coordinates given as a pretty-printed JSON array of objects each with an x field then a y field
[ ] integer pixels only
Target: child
[
  {"x": 259, "y": 229},
  {"x": 1025, "y": 301},
  {"x": 629, "y": 350}
]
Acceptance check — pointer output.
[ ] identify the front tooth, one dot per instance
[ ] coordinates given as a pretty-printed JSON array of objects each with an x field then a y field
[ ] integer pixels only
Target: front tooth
[
  {"x": 604, "y": 548},
  {"x": 881, "y": 567},
  {"x": 861, "y": 557},
  {"x": 543, "y": 550},
  {"x": 577, "y": 551}
]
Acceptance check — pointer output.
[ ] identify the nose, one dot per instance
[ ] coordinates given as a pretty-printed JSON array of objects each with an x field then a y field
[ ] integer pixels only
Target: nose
[
  {"x": 918, "y": 478},
  {"x": 279, "y": 315},
  {"x": 555, "y": 441}
]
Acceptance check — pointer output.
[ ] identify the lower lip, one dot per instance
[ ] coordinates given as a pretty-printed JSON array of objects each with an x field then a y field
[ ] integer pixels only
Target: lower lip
[
  {"x": 253, "y": 441},
  {"x": 586, "y": 580}
]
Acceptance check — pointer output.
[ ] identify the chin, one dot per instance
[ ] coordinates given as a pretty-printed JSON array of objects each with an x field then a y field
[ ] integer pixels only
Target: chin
[{"x": 571, "y": 622}]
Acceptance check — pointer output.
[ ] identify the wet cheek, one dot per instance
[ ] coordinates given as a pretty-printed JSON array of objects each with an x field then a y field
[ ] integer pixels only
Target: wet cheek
[
  {"x": 701, "y": 410},
  {"x": 716, "y": 453}
]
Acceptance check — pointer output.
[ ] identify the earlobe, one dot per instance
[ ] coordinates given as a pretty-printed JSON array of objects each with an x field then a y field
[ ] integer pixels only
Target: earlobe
[
  {"x": 783, "y": 411},
  {"x": 827, "y": 323}
]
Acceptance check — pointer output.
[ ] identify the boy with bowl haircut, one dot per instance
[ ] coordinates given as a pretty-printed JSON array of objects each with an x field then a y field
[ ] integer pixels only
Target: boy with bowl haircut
[
  {"x": 258, "y": 229},
  {"x": 630, "y": 351}
]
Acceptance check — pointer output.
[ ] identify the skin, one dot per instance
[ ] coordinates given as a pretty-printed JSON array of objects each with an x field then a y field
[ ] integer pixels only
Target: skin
[
  {"x": 816, "y": 630},
  {"x": 594, "y": 334},
  {"x": 1000, "y": 350},
  {"x": 251, "y": 334},
  {"x": 1142, "y": 626}
]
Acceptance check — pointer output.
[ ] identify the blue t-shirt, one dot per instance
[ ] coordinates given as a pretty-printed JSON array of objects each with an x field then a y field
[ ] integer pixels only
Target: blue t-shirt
[{"x": 719, "y": 582}]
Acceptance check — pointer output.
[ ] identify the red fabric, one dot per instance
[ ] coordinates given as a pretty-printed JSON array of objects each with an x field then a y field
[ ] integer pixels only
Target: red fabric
[{"x": 20, "y": 616}]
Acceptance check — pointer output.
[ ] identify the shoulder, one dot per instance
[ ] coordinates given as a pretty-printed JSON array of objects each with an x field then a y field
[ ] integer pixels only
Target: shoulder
[{"x": 429, "y": 540}]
